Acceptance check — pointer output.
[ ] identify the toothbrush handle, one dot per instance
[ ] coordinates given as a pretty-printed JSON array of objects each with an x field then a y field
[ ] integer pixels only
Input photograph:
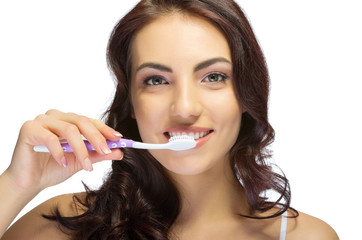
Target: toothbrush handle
[
  {"x": 121, "y": 143},
  {"x": 111, "y": 144}
]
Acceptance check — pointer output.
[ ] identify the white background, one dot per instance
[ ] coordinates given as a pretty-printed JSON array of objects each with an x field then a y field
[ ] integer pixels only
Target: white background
[{"x": 52, "y": 55}]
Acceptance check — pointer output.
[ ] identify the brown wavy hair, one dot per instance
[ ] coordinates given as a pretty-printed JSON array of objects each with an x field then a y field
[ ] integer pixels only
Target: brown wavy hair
[{"x": 137, "y": 199}]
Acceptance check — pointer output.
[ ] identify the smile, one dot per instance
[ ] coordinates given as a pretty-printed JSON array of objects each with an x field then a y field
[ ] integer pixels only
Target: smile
[
  {"x": 194, "y": 135},
  {"x": 200, "y": 134}
]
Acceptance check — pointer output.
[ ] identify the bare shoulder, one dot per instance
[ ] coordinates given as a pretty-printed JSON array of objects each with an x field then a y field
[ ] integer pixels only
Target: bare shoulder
[
  {"x": 34, "y": 226},
  {"x": 309, "y": 228}
]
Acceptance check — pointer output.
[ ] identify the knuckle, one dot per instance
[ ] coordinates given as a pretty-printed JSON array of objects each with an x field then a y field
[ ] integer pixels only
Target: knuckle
[
  {"x": 51, "y": 138},
  {"x": 26, "y": 126},
  {"x": 99, "y": 123},
  {"x": 51, "y": 112},
  {"x": 83, "y": 119},
  {"x": 40, "y": 117},
  {"x": 102, "y": 126},
  {"x": 70, "y": 129},
  {"x": 72, "y": 115}
]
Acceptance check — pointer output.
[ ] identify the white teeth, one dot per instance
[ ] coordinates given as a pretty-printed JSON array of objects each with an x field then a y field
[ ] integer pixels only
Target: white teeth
[
  {"x": 194, "y": 135},
  {"x": 190, "y": 135}
]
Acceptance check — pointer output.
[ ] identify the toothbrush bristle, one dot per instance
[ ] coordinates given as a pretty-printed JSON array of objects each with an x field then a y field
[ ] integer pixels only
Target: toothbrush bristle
[
  {"x": 182, "y": 142},
  {"x": 184, "y": 137}
]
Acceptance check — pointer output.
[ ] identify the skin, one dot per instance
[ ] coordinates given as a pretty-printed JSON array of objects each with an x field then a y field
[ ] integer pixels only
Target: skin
[
  {"x": 185, "y": 98},
  {"x": 211, "y": 196}
]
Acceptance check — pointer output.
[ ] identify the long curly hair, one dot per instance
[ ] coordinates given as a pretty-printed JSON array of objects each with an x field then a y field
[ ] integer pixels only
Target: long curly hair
[{"x": 137, "y": 199}]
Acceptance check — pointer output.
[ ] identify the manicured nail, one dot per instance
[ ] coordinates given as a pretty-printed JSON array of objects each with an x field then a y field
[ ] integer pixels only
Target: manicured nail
[
  {"x": 64, "y": 162},
  {"x": 117, "y": 134},
  {"x": 88, "y": 165},
  {"x": 105, "y": 149}
]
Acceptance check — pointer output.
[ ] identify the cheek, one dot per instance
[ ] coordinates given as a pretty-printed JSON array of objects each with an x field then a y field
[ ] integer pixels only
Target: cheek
[
  {"x": 225, "y": 106},
  {"x": 227, "y": 114},
  {"x": 149, "y": 113}
]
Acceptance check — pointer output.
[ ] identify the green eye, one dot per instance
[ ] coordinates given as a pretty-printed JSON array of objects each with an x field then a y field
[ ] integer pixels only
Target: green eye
[
  {"x": 215, "y": 77},
  {"x": 155, "y": 80}
]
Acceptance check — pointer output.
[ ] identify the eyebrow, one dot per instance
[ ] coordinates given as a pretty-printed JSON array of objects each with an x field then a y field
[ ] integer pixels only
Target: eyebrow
[
  {"x": 210, "y": 62},
  {"x": 198, "y": 67}
]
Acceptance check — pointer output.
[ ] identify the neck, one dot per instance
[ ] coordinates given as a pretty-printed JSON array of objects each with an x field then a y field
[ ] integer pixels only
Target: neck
[{"x": 210, "y": 196}]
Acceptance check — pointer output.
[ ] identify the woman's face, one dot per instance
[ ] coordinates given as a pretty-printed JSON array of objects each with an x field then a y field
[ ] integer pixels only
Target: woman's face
[{"x": 182, "y": 83}]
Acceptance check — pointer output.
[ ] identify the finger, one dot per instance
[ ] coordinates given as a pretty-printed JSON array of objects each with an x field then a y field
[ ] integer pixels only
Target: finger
[
  {"x": 93, "y": 135},
  {"x": 94, "y": 130},
  {"x": 95, "y": 157},
  {"x": 107, "y": 131},
  {"x": 54, "y": 147},
  {"x": 40, "y": 136},
  {"x": 73, "y": 136}
]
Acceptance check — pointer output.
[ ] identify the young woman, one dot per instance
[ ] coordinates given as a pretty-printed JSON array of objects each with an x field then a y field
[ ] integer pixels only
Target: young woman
[{"x": 182, "y": 67}]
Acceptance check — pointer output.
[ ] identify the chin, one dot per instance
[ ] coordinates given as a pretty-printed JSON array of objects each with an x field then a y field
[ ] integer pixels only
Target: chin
[{"x": 187, "y": 165}]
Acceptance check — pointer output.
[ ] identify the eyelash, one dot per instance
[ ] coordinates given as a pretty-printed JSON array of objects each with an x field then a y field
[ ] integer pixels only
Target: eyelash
[
  {"x": 218, "y": 74},
  {"x": 147, "y": 81}
]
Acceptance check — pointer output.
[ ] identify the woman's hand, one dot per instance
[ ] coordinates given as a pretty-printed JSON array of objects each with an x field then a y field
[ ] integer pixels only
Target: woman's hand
[{"x": 32, "y": 172}]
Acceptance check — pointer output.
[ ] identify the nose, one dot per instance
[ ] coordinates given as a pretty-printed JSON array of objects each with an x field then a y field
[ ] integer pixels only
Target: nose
[{"x": 186, "y": 101}]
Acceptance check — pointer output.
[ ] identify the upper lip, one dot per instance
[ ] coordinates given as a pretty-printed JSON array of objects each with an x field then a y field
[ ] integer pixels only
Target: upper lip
[{"x": 187, "y": 129}]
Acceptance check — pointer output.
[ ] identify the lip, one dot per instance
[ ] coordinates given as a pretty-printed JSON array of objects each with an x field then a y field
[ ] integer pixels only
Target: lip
[
  {"x": 191, "y": 129},
  {"x": 203, "y": 140}
]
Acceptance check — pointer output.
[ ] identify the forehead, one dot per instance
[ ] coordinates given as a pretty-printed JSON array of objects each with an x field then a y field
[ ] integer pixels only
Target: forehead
[{"x": 176, "y": 38}]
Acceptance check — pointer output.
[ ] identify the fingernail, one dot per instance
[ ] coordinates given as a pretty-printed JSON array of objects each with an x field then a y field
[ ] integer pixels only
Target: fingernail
[
  {"x": 117, "y": 134},
  {"x": 88, "y": 165},
  {"x": 64, "y": 162},
  {"x": 105, "y": 149}
]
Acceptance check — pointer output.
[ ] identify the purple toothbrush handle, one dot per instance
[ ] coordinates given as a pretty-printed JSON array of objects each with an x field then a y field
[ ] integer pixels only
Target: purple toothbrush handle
[
  {"x": 122, "y": 143},
  {"x": 66, "y": 147}
]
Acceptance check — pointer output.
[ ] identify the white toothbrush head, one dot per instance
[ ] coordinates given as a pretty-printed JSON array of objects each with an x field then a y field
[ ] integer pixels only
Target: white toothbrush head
[{"x": 179, "y": 143}]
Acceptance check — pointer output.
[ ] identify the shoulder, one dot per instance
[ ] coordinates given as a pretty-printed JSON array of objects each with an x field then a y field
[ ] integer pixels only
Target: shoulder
[
  {"x": 34, "y": 226},
  {"x": 309, "y": 228}
]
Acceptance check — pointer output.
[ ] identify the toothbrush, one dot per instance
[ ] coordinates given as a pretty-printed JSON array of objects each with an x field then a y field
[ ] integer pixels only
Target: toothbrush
[{"x": 176, "y": 143}]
